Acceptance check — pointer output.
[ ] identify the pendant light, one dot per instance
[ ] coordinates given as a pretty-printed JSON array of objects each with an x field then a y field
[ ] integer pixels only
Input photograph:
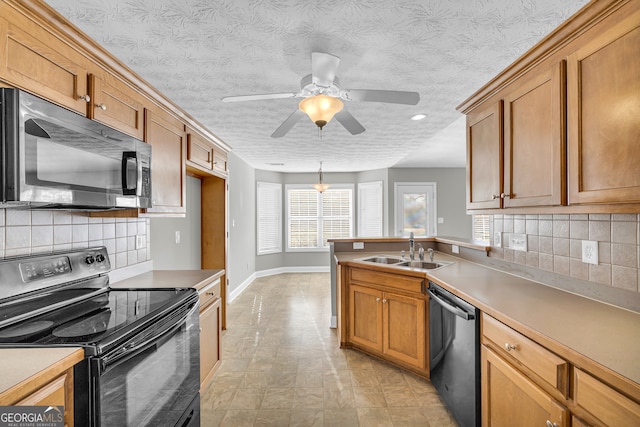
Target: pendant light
[
  {"x": 320, "y": 185},
  {"x": 320, "y": 108}
]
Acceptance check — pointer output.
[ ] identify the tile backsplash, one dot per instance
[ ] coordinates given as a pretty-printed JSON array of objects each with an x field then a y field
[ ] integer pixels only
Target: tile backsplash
[
  {"x": 554, "y": 243},
  {"x": 24, "y": 232}
]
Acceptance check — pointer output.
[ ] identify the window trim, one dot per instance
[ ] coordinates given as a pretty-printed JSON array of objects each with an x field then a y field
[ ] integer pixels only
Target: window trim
[{"x": 289, "y": 187}]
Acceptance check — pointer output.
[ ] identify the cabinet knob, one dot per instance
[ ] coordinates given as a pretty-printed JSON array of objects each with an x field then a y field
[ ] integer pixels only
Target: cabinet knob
[
  {"x": 505, "y": 196},
  {"x": 550, "y": 424},
  {"x": 510, "y": 347},
  {"x": 85, "y": 98},
  {"x": 494, "y": 196},
  {"x": 384, "y": 301},
  {"x": 103, "y": 107},
  {"x": 377, "y": 299}
]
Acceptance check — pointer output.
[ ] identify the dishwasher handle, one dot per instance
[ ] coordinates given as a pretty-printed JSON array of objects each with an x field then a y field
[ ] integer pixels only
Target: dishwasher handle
[{"x": 447, "y": 305}]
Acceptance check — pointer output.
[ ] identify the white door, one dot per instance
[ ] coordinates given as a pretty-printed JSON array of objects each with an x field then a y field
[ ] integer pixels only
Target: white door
[{"x": 415, "y": 208}]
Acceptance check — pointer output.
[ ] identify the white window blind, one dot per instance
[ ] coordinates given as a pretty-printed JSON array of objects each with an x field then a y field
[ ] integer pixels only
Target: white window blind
[
  {"x": 482, "y": 227},
  {"x": 269, "y": 210},
  {"x": 314, "y": 217},
  {"x": 370, "y": 207}
]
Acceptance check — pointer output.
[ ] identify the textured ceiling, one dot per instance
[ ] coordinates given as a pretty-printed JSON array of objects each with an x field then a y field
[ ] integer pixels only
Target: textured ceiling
[{"x": 198, "y": 51}]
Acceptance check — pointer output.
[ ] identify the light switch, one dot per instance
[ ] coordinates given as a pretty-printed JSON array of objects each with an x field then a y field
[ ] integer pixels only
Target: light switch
[{"x": 177, "y": 236}]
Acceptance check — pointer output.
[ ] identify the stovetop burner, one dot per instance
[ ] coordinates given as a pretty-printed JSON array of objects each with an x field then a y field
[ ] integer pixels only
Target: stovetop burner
[
  {"x": 93, "y": 324},
  {"x": 25, "y": 329}
]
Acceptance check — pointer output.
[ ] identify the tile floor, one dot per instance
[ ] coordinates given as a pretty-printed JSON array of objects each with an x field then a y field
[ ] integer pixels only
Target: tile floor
[{"x": 282, "y": 366}]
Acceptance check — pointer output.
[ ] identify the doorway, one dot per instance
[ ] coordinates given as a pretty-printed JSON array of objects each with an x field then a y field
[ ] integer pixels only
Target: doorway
[{"x": 415, "y": 208}]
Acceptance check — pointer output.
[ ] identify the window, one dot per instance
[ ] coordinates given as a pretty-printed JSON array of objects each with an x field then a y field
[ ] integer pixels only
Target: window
[
  {"x": 482, "y": 227},
  {"x": 314, "y": 217},
  {"x": 370, "y": 209},
  {"x": 415, "y": 208},
  {"x": 269, "y": 209}
]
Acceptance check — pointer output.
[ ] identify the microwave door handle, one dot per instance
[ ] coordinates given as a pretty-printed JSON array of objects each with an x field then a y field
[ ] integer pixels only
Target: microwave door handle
[{"x": 127, "y": 158}]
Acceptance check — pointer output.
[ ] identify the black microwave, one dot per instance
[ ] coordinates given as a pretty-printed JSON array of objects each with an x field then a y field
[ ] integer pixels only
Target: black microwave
[{"x": 54, "y": 158}]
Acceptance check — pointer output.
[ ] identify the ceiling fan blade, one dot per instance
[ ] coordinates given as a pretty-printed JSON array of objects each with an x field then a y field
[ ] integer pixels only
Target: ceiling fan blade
[
  {"x": 288, "y": 124},
  {"x": 323, "y": 68},
  {"x": 391, "y": 96},
  {"x": 349, "y": 122},
  {"x": 259, "y": 97}
]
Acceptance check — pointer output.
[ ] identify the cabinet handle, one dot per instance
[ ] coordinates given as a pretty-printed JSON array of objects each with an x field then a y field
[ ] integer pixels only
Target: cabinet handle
[
  {"x": 550, "y": 424},
  {"x": 85, "y": 98},
  {"x": 208, "y": 157},
  {"x": 377, "y": 299},
  {"x": 510, "y": 347},
  {"x": 213, "y": 294},
  {"x": 103, "y": 107},
  {"x": 505, "y": 196}
]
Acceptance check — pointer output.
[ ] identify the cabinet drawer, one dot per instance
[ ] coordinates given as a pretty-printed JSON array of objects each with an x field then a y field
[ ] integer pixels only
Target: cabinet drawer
[
  {"x": 209, "y": 293},
  {"x": 541, "y": 361},
  {"x": 606, "y": 404},
  {"x": 50, "y": 394},
  {"x": 412, "y": 284}
]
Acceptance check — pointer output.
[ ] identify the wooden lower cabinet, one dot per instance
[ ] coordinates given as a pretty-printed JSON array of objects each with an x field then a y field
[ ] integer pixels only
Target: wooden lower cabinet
[
  {"x": 389, "y": 324},
  {"x": 511, "y": 399},
  {"x": 210, "y": 352}
]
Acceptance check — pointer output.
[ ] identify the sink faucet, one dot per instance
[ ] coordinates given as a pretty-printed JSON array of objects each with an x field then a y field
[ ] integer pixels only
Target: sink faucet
[
  {"x": 412, "y": 253},
  {"x": 430, "y": 254},
  {"x": 420, "y": 252}
]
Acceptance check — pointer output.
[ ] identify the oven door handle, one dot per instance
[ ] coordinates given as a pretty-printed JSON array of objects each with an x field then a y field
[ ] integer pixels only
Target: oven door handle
[{"x": 132, "y": 348}]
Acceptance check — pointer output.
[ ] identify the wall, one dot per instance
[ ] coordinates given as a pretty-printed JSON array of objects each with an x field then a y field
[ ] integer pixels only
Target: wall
[
  {"x": 241, "y": 249},
  {"x": 555, "y": 245},
  {"x": 25, "y": 232},
  {"x": 450, "y": 189},
  {"x": 186, "y": 255}
]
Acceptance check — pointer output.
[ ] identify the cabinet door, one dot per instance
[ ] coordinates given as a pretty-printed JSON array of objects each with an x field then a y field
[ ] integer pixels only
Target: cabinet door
[
  {"x": 220, "y": 161},
  {"x": 534, "y": 140},
  {"x": 199, "y": 151},
  {"x": 484, "y": 158},
  {"x": 509, "y": 398},
  {"x": 365, "y": 317},
  {"x": 33, "y": 59},
  {"x": 210, "y": 353},
  {"x": 117, "y": 105},
  {"x": 167, "y": 137},
  {"x": 603, "y": 89},
  {"x": 404, "y": 328}
]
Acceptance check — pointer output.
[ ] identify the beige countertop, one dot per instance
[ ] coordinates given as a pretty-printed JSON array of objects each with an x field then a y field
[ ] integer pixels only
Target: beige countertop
[
  {"x": 170, "y": 279},
  {"x": 565, "y": 323},
  {"x": 20, "y": 365}
]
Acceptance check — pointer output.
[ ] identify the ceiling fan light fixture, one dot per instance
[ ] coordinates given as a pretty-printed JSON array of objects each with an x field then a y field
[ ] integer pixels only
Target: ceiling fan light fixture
[
  {"x": 320, "y": 108},
  {"x": 320, "y": 186}
]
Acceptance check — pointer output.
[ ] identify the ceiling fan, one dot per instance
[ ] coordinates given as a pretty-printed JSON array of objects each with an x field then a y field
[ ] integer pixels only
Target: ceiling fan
[{"x": 323, "y": 97}]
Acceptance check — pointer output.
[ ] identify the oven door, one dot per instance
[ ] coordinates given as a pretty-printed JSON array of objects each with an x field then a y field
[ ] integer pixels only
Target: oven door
[{"x": 152, "y": 379}]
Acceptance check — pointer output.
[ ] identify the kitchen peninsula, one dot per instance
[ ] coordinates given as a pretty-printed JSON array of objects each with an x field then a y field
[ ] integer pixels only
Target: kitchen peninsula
[{"x": 568, "y": 351}]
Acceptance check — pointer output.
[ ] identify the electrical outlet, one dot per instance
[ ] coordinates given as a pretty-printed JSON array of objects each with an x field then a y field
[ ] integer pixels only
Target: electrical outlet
[
  {"x": 440, "y": 220},
  {"x": 358, "y": 245},
  {"x": 518, "y": 242},
  {"x": 497, "y": 239},
  {"x": 590, "y": 252},
  {"x": 178, "y": 237},
  {"x": 455, "y": 249},
  {"x": 140, "y": 241}
]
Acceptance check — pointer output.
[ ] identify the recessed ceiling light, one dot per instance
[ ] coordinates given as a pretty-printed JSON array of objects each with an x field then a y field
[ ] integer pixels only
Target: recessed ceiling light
[
  {"x": 419, "y": 117},
  {"x": 275, "y": 164}
]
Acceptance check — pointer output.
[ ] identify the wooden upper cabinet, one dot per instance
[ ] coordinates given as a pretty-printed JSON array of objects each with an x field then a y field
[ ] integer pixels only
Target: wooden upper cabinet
[
  {"x": 534, "y": 139},
  {"x": 33, "y": 59},
  {"x": 603, "y": 78},
  {"x": 168, "y": 140},
  {"x": 220, "y": 161},
  {"x": 117, "y": 105},
  {"x": 484, "y": 157},
  {"x": 200, "y": 151}
]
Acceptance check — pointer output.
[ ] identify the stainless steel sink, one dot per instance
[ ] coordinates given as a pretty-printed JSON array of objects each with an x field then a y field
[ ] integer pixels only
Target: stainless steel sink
[
  {"x": 424, "y": 265},
  {"x": 382, "y": 259}
]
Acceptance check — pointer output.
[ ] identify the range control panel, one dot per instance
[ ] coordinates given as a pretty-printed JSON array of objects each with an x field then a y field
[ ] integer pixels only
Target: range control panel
[
  {"x": 64, "y": 267},
  {"x": 31, "y": 271}
]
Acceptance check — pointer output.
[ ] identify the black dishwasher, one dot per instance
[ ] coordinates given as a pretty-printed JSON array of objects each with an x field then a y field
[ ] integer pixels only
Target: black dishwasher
[{"x": 454, "y": 343}]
